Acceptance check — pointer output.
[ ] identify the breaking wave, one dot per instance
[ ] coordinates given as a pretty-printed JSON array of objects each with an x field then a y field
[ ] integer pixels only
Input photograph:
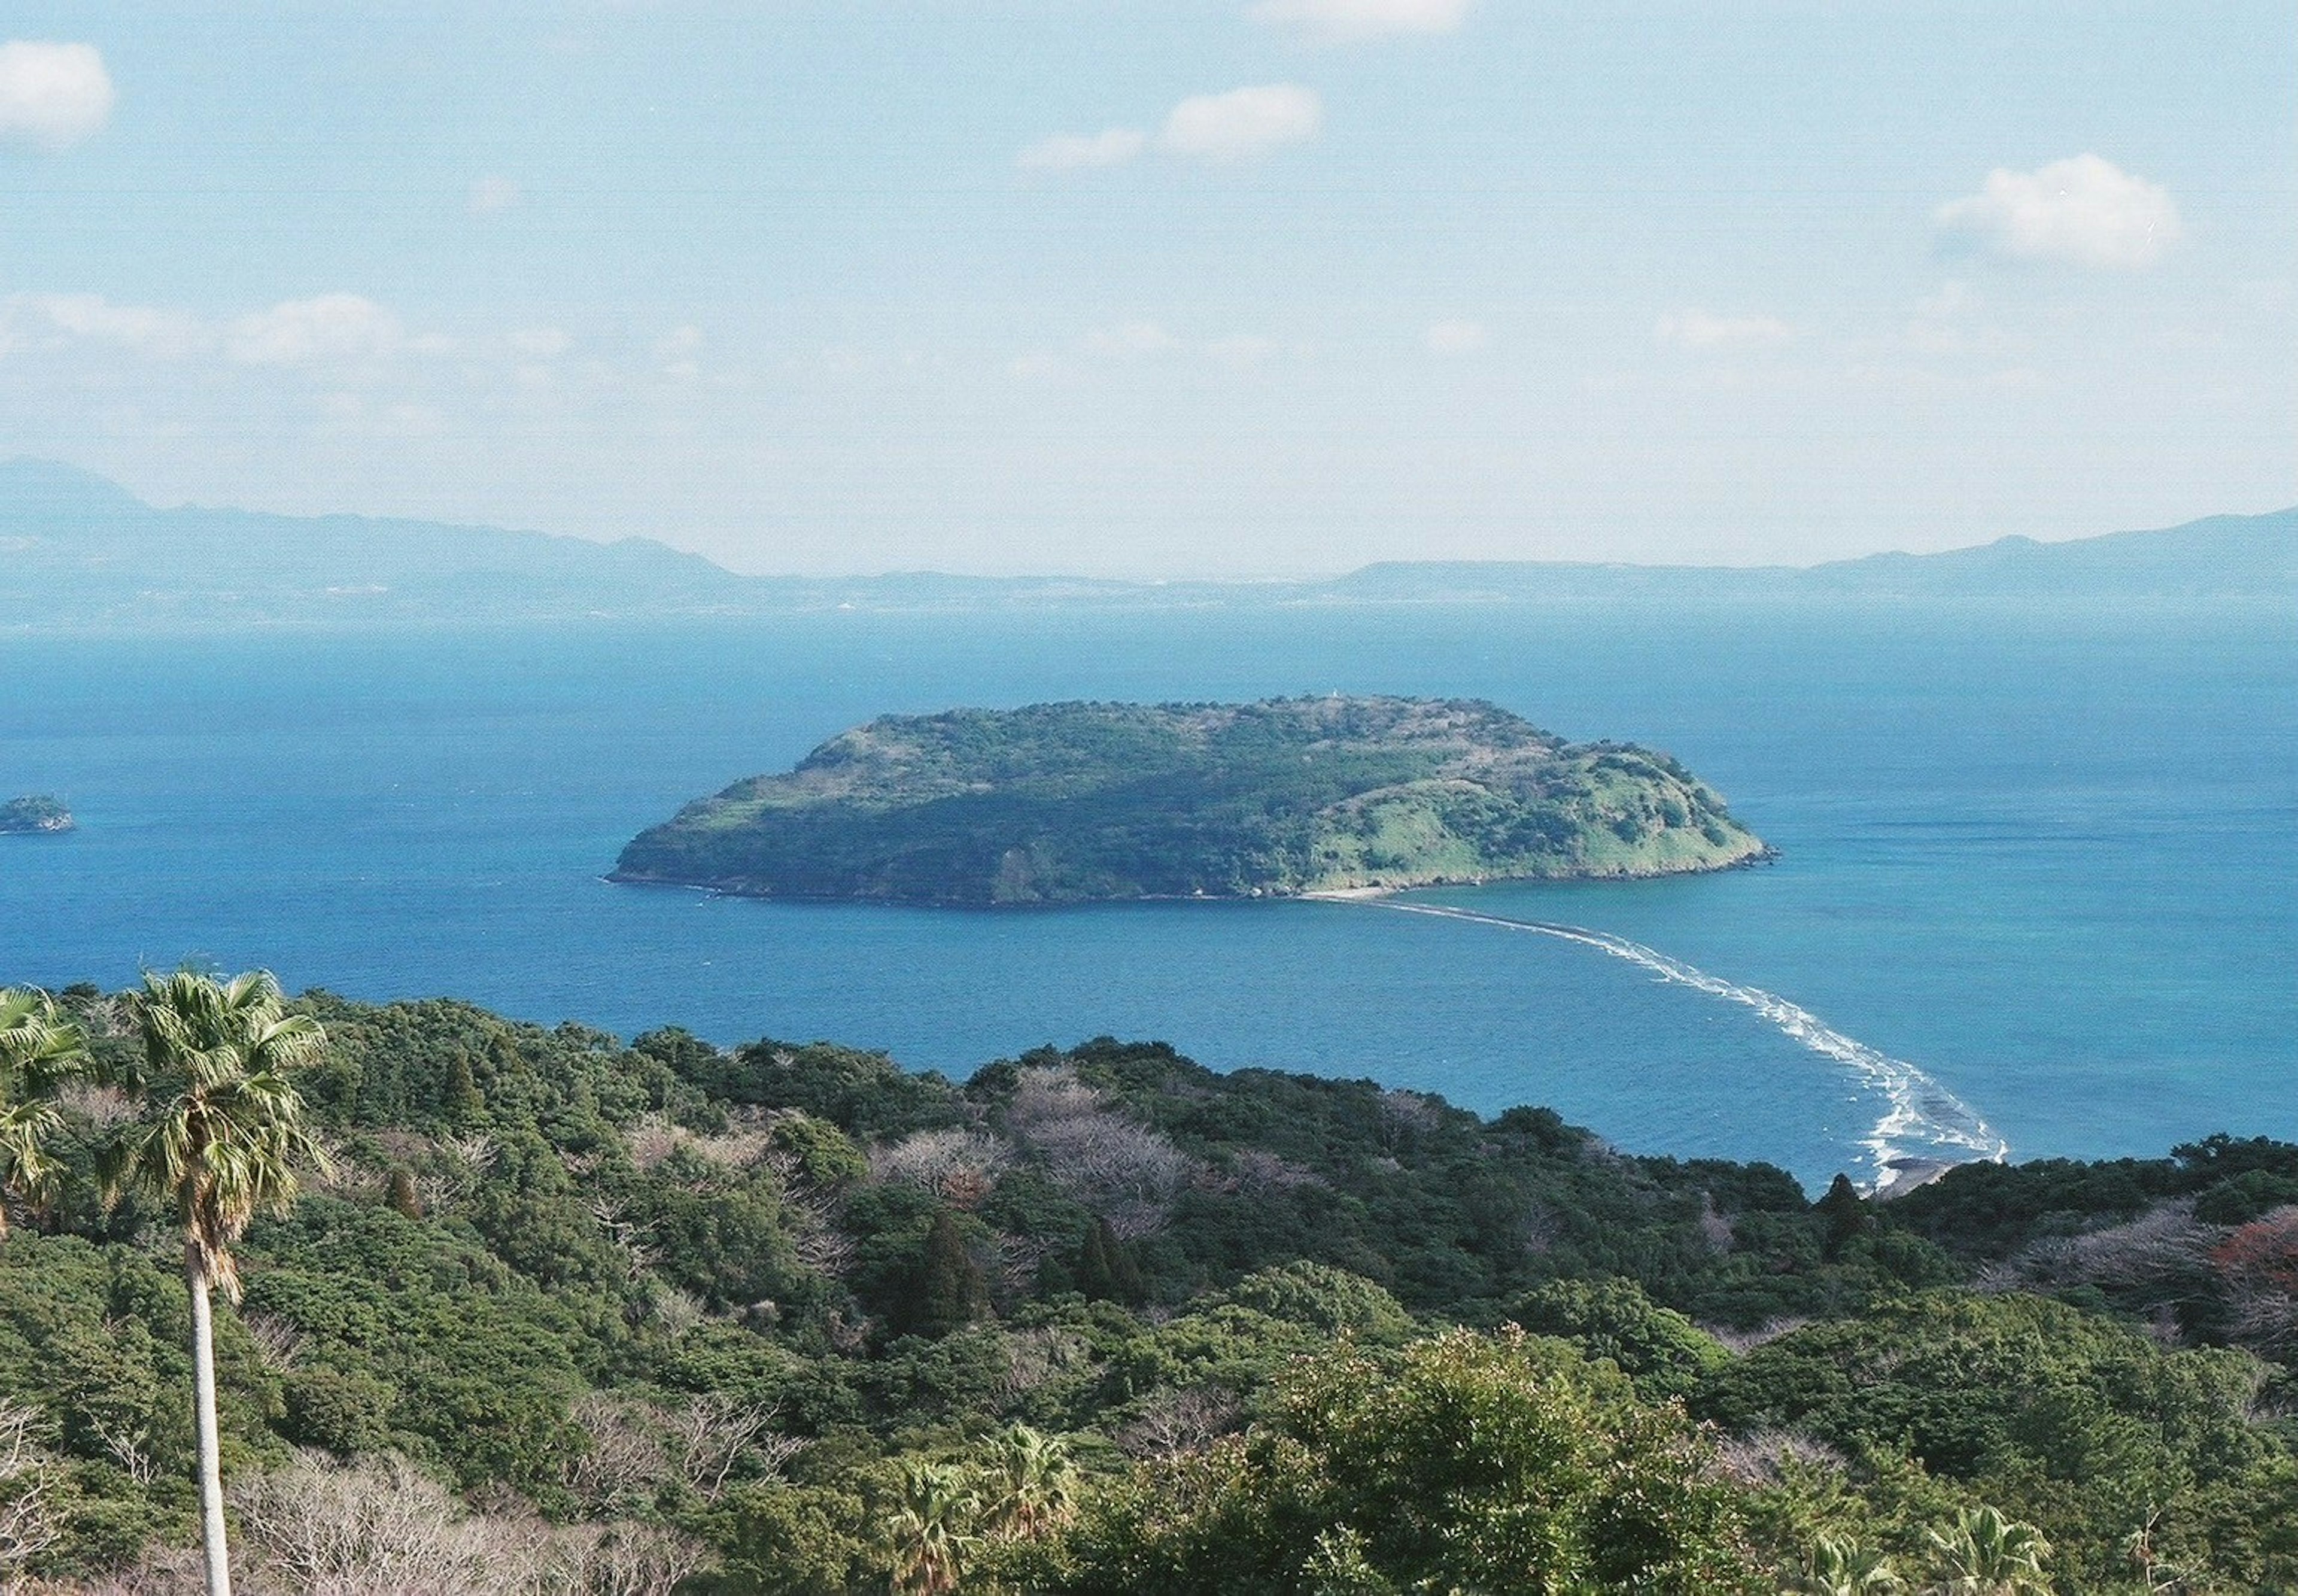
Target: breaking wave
[{"x": 1924, "y": 1124}]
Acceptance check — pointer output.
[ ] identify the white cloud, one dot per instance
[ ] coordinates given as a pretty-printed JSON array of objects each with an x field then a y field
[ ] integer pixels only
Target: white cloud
[
  {"x": 51, "y": 96},
  {"x": 1243, "y": 123},
  {"x": 1952, "y": 300},
  {"x": 1144, "y": 342},
  {"x": 1345, "y": 22},
  {"x": 2083, "y": 211},
  {"x": 326, "y": 327},
  {"x": 540, "y": 342},
  {"x": 677, "y": 350},
  {"x": 1455, "y": 337},
  {"x": 1078, "y": 151},
  {"x": 329, "y": 327},
  {"x": 143, "y": 329},
  {"x": 489, "y": 196},
  {"x": 1242, "y": 353},
  {"x": 1699, "y": 329},
  {"x": 1130, "y": 339},
  {"x": 1949, "y": 323}
]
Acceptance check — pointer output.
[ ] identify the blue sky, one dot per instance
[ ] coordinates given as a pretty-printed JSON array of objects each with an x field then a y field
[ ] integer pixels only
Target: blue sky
[{"x": 1258, "y": 286}]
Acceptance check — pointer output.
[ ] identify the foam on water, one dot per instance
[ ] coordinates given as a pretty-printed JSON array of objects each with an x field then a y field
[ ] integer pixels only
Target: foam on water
[{"x": 1923, "y": 1124}]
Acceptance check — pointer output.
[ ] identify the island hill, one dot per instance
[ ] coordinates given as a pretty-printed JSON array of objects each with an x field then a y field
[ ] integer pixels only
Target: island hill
[
  {"x": 1076, "y": 803},
  {"x": 37, "y": 813}
]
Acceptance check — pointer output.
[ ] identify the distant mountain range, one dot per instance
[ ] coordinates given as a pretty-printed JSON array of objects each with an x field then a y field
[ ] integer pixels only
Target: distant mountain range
[{"x": 77, "y": 551}]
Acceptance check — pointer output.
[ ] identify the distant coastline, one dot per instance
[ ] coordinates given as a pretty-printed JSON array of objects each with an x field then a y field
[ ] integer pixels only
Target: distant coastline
[{"x": 85, "y": 556}]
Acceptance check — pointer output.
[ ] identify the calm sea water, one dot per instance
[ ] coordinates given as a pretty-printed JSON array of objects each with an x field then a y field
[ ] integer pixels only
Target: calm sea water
[{"x": 2041, "y": 865}]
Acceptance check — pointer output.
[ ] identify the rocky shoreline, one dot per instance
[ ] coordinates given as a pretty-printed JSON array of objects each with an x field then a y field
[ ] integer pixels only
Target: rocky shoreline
[{"x": 35, "y": 816}]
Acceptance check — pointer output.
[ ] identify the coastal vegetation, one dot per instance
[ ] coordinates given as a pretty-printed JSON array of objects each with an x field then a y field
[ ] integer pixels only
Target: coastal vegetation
[
  {"x": 37, "y": 812},
  {"x": 559, "y": 1312},
  {"x": 1066, "y": 803}
]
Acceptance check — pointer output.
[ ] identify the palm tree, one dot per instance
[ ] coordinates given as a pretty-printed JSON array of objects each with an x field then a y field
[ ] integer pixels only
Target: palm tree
[
  {"x": 220, "y": 1141},
  {"x": 1843, "y": 1568},
  {"x": 39, "y": 1050},
  {"x": 1989, "y": 1555},
  {"x": 1032, "y": 1484},
  {"x": 927, "y": 1536}
]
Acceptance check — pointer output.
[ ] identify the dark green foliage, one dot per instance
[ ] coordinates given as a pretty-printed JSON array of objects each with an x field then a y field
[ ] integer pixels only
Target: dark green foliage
[
  {"x": 1989, "y": 1210},
  {"x": 2065, "y": 1418},
  {"x": 1105, "y": 1266},
  {"x": 950, "y": 1290},
  {"x": 403, "y": 1197},
  {"x": 1660, "y": 1350},
  {"x": 2247, "y": 1196},
  {"x": 865, "y": 1095},
  {"x": 1500, "y": 1465},
  {"x": 344, "y": 1413},
  {"x": 1067, "y": 802},
  {"x": 1843, "y": 1212},
  {"x": 527, "y": 1218}
]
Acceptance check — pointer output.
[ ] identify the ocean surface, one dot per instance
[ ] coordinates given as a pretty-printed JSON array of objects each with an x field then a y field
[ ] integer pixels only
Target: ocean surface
[{"x": 2038, "y": 883}]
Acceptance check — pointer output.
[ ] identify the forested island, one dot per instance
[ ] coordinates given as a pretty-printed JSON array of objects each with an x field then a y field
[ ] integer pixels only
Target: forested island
[
  {"x": 1087, "y": 802},
  {"x": 560, "y": 1313},
  {"x": 37, "y": 813}
]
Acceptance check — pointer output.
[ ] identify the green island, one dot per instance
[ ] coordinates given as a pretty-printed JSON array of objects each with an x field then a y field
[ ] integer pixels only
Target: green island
[
  {"x": 37, "y": 813},
  {"x": 555, "y": 1311},
  {"x": 1086, "y": 802}
]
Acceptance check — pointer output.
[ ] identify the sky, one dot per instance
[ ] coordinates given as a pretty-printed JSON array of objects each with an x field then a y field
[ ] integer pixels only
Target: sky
[{"x": 1234, "y": 288}]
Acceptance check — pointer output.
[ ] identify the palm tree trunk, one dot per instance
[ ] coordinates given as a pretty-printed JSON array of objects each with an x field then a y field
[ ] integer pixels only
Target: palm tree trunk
[{"x": 203, "y": 1395}]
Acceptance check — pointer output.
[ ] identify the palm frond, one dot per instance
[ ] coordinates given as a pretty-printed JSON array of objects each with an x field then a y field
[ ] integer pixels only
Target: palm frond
[{"x": 225, "y": 1136}]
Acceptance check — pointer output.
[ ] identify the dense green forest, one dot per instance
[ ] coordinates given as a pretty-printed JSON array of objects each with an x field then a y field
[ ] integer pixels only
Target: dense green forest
[
  {"x": 567, "y": 1314},
  {"x": 1066, "y": 803}
]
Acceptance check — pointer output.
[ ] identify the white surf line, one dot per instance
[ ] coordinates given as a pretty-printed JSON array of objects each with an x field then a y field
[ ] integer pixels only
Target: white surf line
[{"x": 1947, "y": 1129}]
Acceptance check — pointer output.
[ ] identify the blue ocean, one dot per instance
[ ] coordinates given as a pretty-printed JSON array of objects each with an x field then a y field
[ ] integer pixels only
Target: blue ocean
[{"x": 2038, "y": 889}]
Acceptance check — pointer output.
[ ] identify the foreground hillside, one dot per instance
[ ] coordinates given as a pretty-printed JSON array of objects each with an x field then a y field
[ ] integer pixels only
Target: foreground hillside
[
  {"x": 1067, "y": 803},
  {"x": 785, "y": 1318}
]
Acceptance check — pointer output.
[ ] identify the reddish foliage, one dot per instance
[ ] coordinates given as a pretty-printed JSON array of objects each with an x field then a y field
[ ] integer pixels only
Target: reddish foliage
[{"x": 2264, "y": 1251}]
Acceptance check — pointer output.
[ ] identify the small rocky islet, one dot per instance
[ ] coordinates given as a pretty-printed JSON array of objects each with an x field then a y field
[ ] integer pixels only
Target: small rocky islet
[
  {"x": 35, "y": 814},
  {"x": 1101, "y": 802}
]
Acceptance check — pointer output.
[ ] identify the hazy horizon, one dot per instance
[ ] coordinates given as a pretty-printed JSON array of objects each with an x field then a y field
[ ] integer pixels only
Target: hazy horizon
[
  {"x": 1174, "y": 578},
  {"x": 1221, "y": 288}
]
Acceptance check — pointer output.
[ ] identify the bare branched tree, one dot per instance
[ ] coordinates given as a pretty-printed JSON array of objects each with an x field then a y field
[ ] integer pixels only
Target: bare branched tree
[
  {"x": 27, "y": 1518},
  {"x": 1748, "y": 1341},
  {"x": 2165, "y": 1243},
  {"x": 1046, "y": 1352},
  {"x": 279, "y": 1343},
  {"x": 1403, "y": 1114},
  {"x": 1257, "y": 1172},
  {"x": 1122, "y": 1170},
  {"x": 1767, "y": 1456},
  {"x": 627, "y": 1459},
  {"x": 712, "y": 1434},
  {"x": 632, "y": 1239},
  {"x": 379, "y": 1528},
  {"x": 1179, "y": 1420},
  {"x": 374, "y": 1529},
  {"x": 628, "y": 1559},
  {"x": 129, "y": 1447},
  {"x": 959, "y": 1167}
]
